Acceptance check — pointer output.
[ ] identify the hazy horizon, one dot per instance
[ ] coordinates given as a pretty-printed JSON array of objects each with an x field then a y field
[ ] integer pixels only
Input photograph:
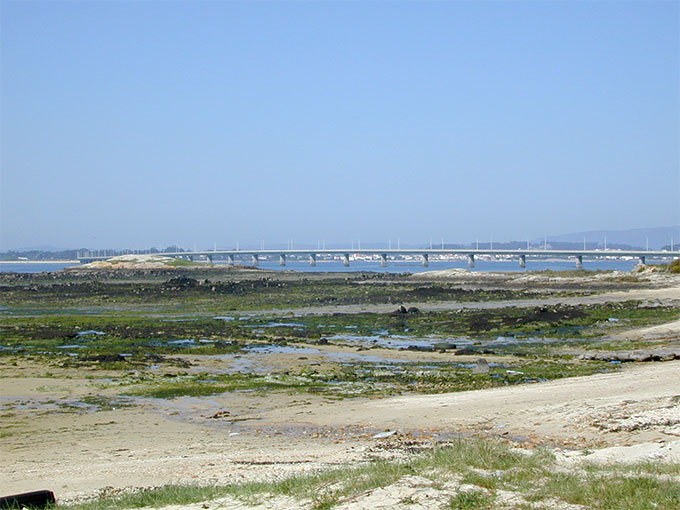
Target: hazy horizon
[{"x": 192, "y": 123}]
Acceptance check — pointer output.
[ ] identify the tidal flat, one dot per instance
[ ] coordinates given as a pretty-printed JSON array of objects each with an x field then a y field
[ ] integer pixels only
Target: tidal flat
[{"x": 260, "y": 361}]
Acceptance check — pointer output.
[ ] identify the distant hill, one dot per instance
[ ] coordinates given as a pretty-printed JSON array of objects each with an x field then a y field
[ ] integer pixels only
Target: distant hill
[{"x": 658, "y": 237}]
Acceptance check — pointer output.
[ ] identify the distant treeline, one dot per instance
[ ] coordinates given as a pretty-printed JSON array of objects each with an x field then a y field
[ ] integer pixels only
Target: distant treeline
[{"x": 76, "y": 254}]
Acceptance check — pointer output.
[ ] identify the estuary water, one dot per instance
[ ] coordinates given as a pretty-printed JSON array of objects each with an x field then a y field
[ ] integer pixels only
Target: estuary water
[{"x": 392, "y": 266}]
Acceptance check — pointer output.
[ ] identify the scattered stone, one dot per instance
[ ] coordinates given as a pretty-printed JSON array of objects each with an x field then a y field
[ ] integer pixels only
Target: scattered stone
[
  {"x": 482, "y": 367},
  {"x": 466, "y": 351},
  {"x": 105, "y": 358},
  {"x": 219, "y": 414},
  {"x": 413, "y": 309},
  {"x": 633, "y": 356},
  {"x": 181, "y": 282},
  {"x": 421, "y": 348},
  {"x": 383, "y": 435}
]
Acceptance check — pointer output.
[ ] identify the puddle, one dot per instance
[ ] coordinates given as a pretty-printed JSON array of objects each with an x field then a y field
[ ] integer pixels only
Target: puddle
[
  {"x": 233, "y": 363},
  {"x": 511, "y": 340},
  {"x": 366, "y": 358},
  {"x": 65, "y": 405},
  {"x": 280, "y": 349},
  {"x": 433, "y": 343},
  {"x": 16, "y": 347},
  {"x": 396, "y": 341},
  {"x": 184, "y": 341},
  {"x": 90, "y": 332},
  {"x": 189, "y": 341}
]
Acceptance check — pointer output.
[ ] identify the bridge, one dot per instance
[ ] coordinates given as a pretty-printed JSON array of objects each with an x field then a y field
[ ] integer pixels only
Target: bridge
[{"x": 423, "y": 254}]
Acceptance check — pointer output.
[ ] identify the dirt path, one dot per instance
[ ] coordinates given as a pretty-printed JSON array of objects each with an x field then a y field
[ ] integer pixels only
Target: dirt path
[{"x": 582, "y": 411}]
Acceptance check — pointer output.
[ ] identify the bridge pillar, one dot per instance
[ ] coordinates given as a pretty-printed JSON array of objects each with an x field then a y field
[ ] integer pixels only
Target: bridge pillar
[
  {"x": 256, "y": 261},
  {"x": 345, "y": 259},
  {"x": 579, "y": 261},
  {"x": 210, "y": 259},
  {"x": 230, "y": 259},
  {"x": 282, "y": 259},
  {"x": 312, "y": 259},
  {"x": 643, "y": 260},
  {"x": 383, "y": 259},
  {"x": 471, "y": 260},
  {"x": 426, "y": 260},
  {"x": 522, "y": 261}
]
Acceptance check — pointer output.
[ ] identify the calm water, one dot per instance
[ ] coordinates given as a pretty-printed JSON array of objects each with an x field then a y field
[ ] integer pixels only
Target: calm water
[{"x": 392, "y": 267}]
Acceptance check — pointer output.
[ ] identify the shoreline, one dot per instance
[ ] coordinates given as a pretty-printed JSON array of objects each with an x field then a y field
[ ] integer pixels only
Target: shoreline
[{"x": 39, "y": 262}]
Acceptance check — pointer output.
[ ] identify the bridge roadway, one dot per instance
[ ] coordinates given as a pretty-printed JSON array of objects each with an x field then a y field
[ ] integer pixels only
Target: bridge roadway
[{"x": 424, "y": 254}]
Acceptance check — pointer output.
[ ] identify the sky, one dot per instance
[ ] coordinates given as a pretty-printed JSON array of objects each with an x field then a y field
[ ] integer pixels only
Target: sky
[{"x": 134, "y": 124}]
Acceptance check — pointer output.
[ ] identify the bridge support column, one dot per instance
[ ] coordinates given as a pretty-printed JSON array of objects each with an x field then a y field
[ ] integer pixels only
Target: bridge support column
[
  {"x": 383, "y": 260},
  {"x": 471, "y": 260},
  {"x": 256, "y": 261},
  {"x": 230, "y": 259},
  {"x": 426, "y": 260},
  {"x": 522, "y": 261},
  {"x": 643, "y": 260},
  {"x": 345, "y": 259},
  {"x": 282, "y": 259},
  {"x": 579, "y": 261},
  {"x": 210, "y": 259},
  {"x": 312, "y": 259}
]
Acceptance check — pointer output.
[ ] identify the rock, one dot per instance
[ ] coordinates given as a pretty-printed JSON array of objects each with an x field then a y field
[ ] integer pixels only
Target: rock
[
  {"x": 422, "y": 348},
  {"x": 628, "y": 356},
  {"x": 105, "y": 358},
  {"x": 444, "y": 346},
  {"x": 413, "y": 309},
  {"x": 383, "y": 435},
  {"x": 482, "y": 367},
  {"x": 219, "y": 414},
  {"x": 180, "y": 282},
  {"x": 401, "y": 310},
  {"x": 465, "y": 351}
]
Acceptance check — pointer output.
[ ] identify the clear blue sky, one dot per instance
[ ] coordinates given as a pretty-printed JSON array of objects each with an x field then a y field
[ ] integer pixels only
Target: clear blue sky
[{"x": 136, "y": 124}]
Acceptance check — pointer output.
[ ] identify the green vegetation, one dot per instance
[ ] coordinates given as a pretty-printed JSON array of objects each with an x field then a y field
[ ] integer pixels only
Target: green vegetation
[
  {"x": 154, "y": 336},
  {"x": 359, "y": 379},
  {"x": 120, "y": 341},
  {"x": 470, "y": 472},
  {"x": 206, "y": 292},
  {"x": 143, "y": 334}
]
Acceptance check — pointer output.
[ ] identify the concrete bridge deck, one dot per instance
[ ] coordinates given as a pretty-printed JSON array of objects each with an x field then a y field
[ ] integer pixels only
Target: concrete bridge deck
[{"x": 424, "y": 254}]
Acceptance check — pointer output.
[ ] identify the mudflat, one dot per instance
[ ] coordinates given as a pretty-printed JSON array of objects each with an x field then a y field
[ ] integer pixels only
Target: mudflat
[{"x": 194, "y": 386}]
